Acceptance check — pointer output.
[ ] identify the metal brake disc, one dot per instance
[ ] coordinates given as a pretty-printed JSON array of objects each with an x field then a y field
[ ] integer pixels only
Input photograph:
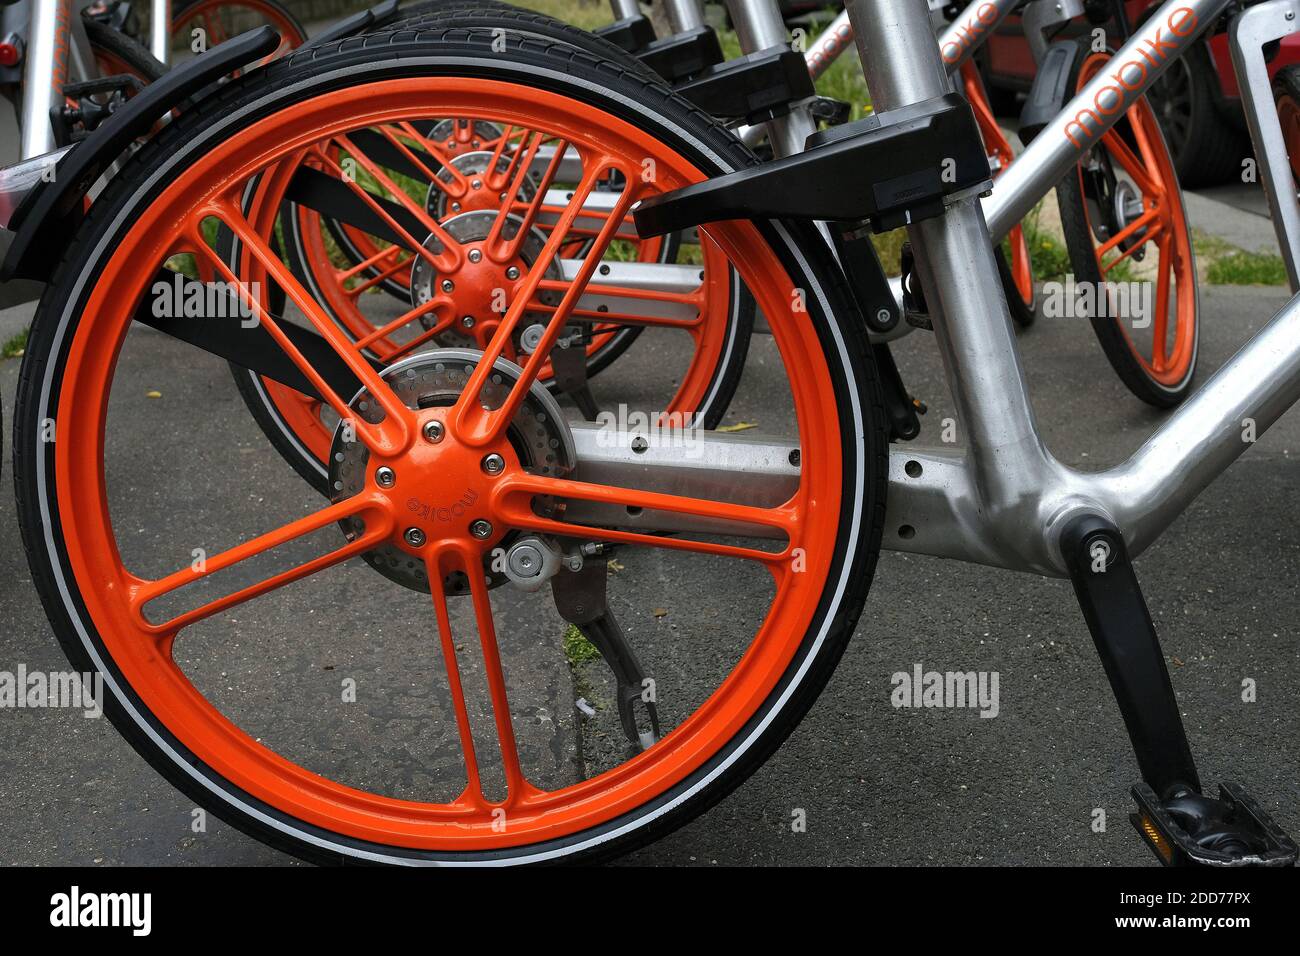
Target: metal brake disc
[{"x": 539, "y": 435}]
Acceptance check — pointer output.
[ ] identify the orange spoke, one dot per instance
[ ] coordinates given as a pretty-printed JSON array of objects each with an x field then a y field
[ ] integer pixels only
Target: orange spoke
[
  {"x": 517, "y": 784},
  {"x": 390, "y": 436},
  {"x": 513, "y": 496},
  {"x": 1119, "y": 151},
  {"x": 497, "y": 250},
  {"x": 373, "y": 511},
  {"x": 478, "y": 426},
  {"x": 1160, "y": 327},
  {"x": 445, "y": 261},
  {"x": 441, "y": 302},
  {"x": 495, "y": 180},
  {"x": 460, "y": 182},
  {"x": 1153, "y": 234},
  {"x": 474, "y": 786},
  {"x": 1128, "y": 231}
]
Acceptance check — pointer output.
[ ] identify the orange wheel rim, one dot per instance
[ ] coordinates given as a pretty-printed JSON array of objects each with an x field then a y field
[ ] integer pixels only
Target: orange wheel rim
[
  {"x": 115, "y": 597},
  {"x": 1162, "y": 225}
]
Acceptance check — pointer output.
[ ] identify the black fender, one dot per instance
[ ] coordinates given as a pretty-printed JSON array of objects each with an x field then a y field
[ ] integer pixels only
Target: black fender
[
  {"x": 52, "y": 211},
  {"x": 373, "y": 18},
  {"x": 1051, "y": 89}
]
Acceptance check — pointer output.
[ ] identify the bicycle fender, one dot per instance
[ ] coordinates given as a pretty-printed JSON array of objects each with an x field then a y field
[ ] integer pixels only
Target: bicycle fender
[
  {"x": 1051, "y": 89},
  {"x": 52, "y": 211}
]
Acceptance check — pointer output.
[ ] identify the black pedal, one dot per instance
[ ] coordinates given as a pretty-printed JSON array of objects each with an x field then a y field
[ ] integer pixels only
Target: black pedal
[
  {"x": 632, "y": 34},
  {"x": 830, "y": 111},
  {"x": 889, "y": 169},
  {"x": 96, "y": 100},
  {"x": 1190, "y": 829},
  {"x": 682, "y": 55},
  {"x": 753, "y": 88}
]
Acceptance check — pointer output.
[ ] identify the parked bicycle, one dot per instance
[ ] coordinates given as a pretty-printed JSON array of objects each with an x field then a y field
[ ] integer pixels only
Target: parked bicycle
[{"x": 460, "y": 482}]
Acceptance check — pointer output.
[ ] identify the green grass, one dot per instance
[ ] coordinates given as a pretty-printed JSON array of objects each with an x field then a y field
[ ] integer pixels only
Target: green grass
[
  {"x": 1247, "y": 268},
  {"x": 577, "y": 649},
  {"x": 15, "y": 347},
  {"x": 1047, "y": 253}
]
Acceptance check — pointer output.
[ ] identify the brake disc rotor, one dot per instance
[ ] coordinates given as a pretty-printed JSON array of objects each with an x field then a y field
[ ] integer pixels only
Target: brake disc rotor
[
  {"x": 471, "y": 227},
  {"x": 473, "y": 166},
  {"x": 539, "y": 435}
]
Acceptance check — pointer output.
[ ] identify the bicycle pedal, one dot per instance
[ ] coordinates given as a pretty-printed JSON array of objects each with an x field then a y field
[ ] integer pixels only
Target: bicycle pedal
[{"x": 1191, "y": 829}]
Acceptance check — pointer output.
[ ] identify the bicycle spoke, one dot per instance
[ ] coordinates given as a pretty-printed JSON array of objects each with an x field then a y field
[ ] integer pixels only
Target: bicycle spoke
[
  {"x": 512, "y": 499},
  {"x": 378, "y": 526},
  {"x": 389, "y": 436},
  {"x": 478, "y": 426}
]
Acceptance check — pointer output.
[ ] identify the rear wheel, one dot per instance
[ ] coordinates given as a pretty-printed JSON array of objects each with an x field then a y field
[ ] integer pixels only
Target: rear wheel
[
  {"x": 1286, "y": 94},
  {"x": 1207, "y": 149},
  {"x": 1131, "y": 250},
  {"x": 478, "y": 756}
]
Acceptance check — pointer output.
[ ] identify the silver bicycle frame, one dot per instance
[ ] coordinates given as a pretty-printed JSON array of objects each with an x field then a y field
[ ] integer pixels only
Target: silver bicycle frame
[
  {"x": 1003, "y": 498},
  {"x": 58, "y": 52},
  {"x": 160, "y": 30}
]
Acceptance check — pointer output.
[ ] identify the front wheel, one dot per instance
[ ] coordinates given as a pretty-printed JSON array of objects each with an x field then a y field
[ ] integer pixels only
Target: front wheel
[
  {"x": 1131, "y": 250},
  {"x": 223, "y": 601}
]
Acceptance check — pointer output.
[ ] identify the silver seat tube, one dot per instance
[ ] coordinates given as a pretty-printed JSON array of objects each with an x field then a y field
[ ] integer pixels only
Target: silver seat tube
[
  {"x": 759, "y": 26},
  {"x": 624, "y": 9},
  {"x": 684, "y": 15},
  {"x": 160, "y": 30},
  {"x": 45, "y": 73},
  {"x": 968, "y": 307}
]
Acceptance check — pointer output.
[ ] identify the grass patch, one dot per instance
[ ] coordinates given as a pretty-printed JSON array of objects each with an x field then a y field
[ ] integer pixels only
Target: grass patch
[
  {"x": 16, "y": 345},
  {"x": 577, "y": 649},
  {"x": 1047, "y": 252},
  {"x": 1247, "y": 268}
]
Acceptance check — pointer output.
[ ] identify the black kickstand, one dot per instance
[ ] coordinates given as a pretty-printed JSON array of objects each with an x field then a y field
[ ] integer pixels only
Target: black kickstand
[
  {"x": 570, "y": 367},
  {"x": 580, "y": 598}
]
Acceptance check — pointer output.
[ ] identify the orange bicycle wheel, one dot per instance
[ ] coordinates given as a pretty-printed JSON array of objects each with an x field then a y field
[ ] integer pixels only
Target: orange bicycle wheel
[
  {"x": 1126, "y": 230},
  {"x": 443, "y": 460}
]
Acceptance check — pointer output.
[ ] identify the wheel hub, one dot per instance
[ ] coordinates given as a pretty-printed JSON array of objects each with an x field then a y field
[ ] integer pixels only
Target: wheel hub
[
  {"x": 441, "y": 489},
  {"x": 481, "y": 289},
  {"x": 473, "y": 166}
]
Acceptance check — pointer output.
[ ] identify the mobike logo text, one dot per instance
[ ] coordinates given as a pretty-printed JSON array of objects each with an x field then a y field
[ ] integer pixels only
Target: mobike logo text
[
  {"x": 1126, "y": 80},
  {"x": 970, "y": 33}
]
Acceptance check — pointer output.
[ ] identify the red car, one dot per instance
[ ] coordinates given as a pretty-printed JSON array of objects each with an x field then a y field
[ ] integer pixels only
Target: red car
[{"x": 1197, "y": 100}]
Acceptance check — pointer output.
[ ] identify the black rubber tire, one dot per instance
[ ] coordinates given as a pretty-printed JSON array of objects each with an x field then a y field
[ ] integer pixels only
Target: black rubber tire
[
  {"x": 541, "y": 65},
  {"x": 140, "y": 60},
  {"x": 1206, "y": 147},
  {"x": 1286, "y": 85},
  {"x": 525, "y": 23},
  {"x": 1079, "y": 242}
]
